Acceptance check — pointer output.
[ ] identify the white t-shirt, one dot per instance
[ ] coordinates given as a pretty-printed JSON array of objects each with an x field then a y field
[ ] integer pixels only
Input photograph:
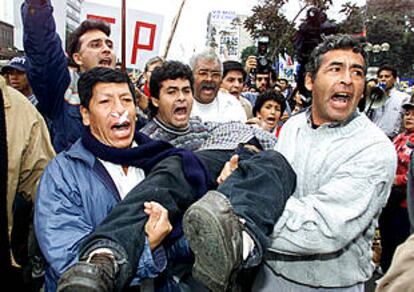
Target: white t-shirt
[
  {"x": 224, "y": 108},
  {"x": 124, "y": 182}
]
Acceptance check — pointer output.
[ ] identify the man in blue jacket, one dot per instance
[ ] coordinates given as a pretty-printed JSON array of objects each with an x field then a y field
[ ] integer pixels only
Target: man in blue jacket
[
  {"x": 83, "y": 183},
  {"x": 54, "y": 85}
]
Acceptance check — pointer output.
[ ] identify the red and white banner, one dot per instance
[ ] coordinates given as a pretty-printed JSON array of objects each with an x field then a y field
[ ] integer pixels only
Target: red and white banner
[{"x": 143, "y": 31}]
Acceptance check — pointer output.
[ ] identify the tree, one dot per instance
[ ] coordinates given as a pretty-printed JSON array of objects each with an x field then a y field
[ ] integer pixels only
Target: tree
[
  {"x": 267, "y": 19},
  {"x": 392, "y": 22},
  {"x": 355, "y": 19},
  {"x": 248, "y": 51}
]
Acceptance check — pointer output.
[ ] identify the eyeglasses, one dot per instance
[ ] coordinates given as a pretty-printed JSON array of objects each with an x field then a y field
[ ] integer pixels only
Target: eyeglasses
[{"x": 204, "y": 73}]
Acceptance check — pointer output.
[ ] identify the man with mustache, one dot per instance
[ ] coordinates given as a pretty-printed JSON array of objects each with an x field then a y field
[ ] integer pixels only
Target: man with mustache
[
  {"x": 54, "y": 85},
  {"x": 210, "y": 104}
]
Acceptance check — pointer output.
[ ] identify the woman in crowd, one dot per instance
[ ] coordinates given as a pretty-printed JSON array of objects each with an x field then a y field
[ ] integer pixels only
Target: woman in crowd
[{"x": 268, "y": 109}]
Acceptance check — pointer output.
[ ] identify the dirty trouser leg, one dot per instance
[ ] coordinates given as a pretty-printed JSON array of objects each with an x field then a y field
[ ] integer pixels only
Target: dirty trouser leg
[
  {"x": 258, "y": 192},
  {"x": 252, "y": 190},
  {"x": 250, "y": 200},
  {"x": 123, "y": 230}
]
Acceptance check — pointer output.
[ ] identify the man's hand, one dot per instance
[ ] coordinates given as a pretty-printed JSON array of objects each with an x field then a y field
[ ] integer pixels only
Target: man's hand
[
  {"x": 284, "y": 117},
  {"x": 259, "y": 122},
  {"x": 158, "y": 225},
  {"x": 251, "y": 62},
  {"x": 228, "y": 168}
]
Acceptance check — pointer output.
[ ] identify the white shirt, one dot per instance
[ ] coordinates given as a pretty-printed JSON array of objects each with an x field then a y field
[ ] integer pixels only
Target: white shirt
[
  {"x": 124, "y": 182},
  {"x": 224, "y": 108},
  {"x": 389, "y": 117}
]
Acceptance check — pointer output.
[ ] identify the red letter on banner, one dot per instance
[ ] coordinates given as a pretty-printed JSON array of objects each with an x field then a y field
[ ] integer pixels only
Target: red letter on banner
[
  {"x": 103, "y": 18},
  {"x": 137, "y": 45}
]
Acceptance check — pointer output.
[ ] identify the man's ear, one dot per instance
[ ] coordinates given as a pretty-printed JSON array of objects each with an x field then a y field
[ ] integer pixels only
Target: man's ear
[
  {"x": 77, "y": 58},
  {"x": 85, "y": 116},
  {"x": 308, "y": 82},
  {"x": 155, "y": 102}
]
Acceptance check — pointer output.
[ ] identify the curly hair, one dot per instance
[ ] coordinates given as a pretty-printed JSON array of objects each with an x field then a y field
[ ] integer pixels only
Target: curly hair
[
  {"x": 170, "y": 70},
  {"x": 269, "y": 94}
]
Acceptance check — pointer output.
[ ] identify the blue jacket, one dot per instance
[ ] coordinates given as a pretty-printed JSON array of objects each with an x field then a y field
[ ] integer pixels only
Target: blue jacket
[
  {"x": 75, "y": 195},
  {"x": 54, "y": 86}
]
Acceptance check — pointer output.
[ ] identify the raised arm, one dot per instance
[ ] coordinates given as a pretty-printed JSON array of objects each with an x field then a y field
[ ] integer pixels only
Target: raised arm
[{"x": 48, "y": 73}]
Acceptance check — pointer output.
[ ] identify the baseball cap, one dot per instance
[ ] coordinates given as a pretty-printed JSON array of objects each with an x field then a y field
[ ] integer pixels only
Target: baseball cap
[
  {"x": 371, "y": 74},
  {"x": 409, "y": 104},
  {"x": 18, "y": 63}
]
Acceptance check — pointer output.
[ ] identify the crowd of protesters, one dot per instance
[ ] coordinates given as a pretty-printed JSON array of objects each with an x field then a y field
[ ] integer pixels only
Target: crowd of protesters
[{"x": 201, "y": 175}]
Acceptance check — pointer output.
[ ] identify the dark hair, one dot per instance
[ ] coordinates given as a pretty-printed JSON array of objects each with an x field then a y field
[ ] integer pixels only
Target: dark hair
[
  {"x": 388, "y": 67},
  {"x": 170, "y": 70},
  {"x": 151, "y": 61},
  {"x": 329, "y": 43},
  {"x": 90, "y": 78},
  {"x": 266, "y": 96},
  {"x": 266, "y": 70},
  {"x": 86, "y": 25},
  {"x": 233, "y": 66}
]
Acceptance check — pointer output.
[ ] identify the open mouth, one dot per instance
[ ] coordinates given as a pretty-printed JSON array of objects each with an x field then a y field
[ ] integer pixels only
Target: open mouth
[
  {"x": 208, "y": 87},
  {"x": 181, "y": 112},
  {"x": 271, "y": 121},
  {"x": 105, "y": 62},
  {"x": 235, "y": 93},
  {"x": 341, "y": 97},
  {"x": 121, "y": 126}
]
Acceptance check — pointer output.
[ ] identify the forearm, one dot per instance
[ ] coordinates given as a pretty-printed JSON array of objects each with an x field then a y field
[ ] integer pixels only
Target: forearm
[{"x": 327, "y": 220}]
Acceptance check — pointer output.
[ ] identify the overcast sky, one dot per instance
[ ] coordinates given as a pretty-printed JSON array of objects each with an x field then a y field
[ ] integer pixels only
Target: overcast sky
[{"x": 191, "y": 30}]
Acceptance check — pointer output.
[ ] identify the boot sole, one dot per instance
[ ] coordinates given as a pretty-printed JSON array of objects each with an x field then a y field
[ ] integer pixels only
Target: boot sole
[
  {"x": 212, "y": 254},
  {"x": 81, "y": 279},
  {"x": 79, "y": 284}
]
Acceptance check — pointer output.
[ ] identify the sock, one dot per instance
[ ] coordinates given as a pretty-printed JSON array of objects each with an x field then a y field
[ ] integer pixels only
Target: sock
[{"x": 248, "y": 244}]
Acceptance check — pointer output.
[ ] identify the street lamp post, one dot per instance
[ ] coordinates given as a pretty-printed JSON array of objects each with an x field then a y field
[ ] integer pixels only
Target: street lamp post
[{"x": 376, "y": 52}]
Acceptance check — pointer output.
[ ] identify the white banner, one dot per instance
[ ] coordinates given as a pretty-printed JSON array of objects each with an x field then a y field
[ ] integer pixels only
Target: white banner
[{"x": 143, "y": 31}]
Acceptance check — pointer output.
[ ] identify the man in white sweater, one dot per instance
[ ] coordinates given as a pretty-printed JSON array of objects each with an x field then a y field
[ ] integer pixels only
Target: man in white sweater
[
  {"x": 345, "y": 167},
  {"x": 210, "y": 103}
]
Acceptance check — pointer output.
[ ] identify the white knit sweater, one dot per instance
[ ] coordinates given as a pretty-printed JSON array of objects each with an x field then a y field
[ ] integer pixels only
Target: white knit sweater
[{"x": 344, "y": 176}]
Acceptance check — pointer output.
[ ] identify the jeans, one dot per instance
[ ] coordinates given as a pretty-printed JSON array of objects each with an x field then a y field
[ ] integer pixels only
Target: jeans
[{"x": 257, "y": 190}]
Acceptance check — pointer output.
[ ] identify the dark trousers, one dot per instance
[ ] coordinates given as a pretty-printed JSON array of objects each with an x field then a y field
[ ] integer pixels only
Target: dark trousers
[
  {"x": 394, "y": 225},
  {"x": 257, "y": 190},
  {"x": 394, "y": 229}
]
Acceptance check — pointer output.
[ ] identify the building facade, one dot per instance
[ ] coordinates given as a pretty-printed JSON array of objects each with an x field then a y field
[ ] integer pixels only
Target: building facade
[
  {"x": 225, "y": 33},
  {"x": 7, "y": 49},
  {"x": 73, "y": 14}
]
